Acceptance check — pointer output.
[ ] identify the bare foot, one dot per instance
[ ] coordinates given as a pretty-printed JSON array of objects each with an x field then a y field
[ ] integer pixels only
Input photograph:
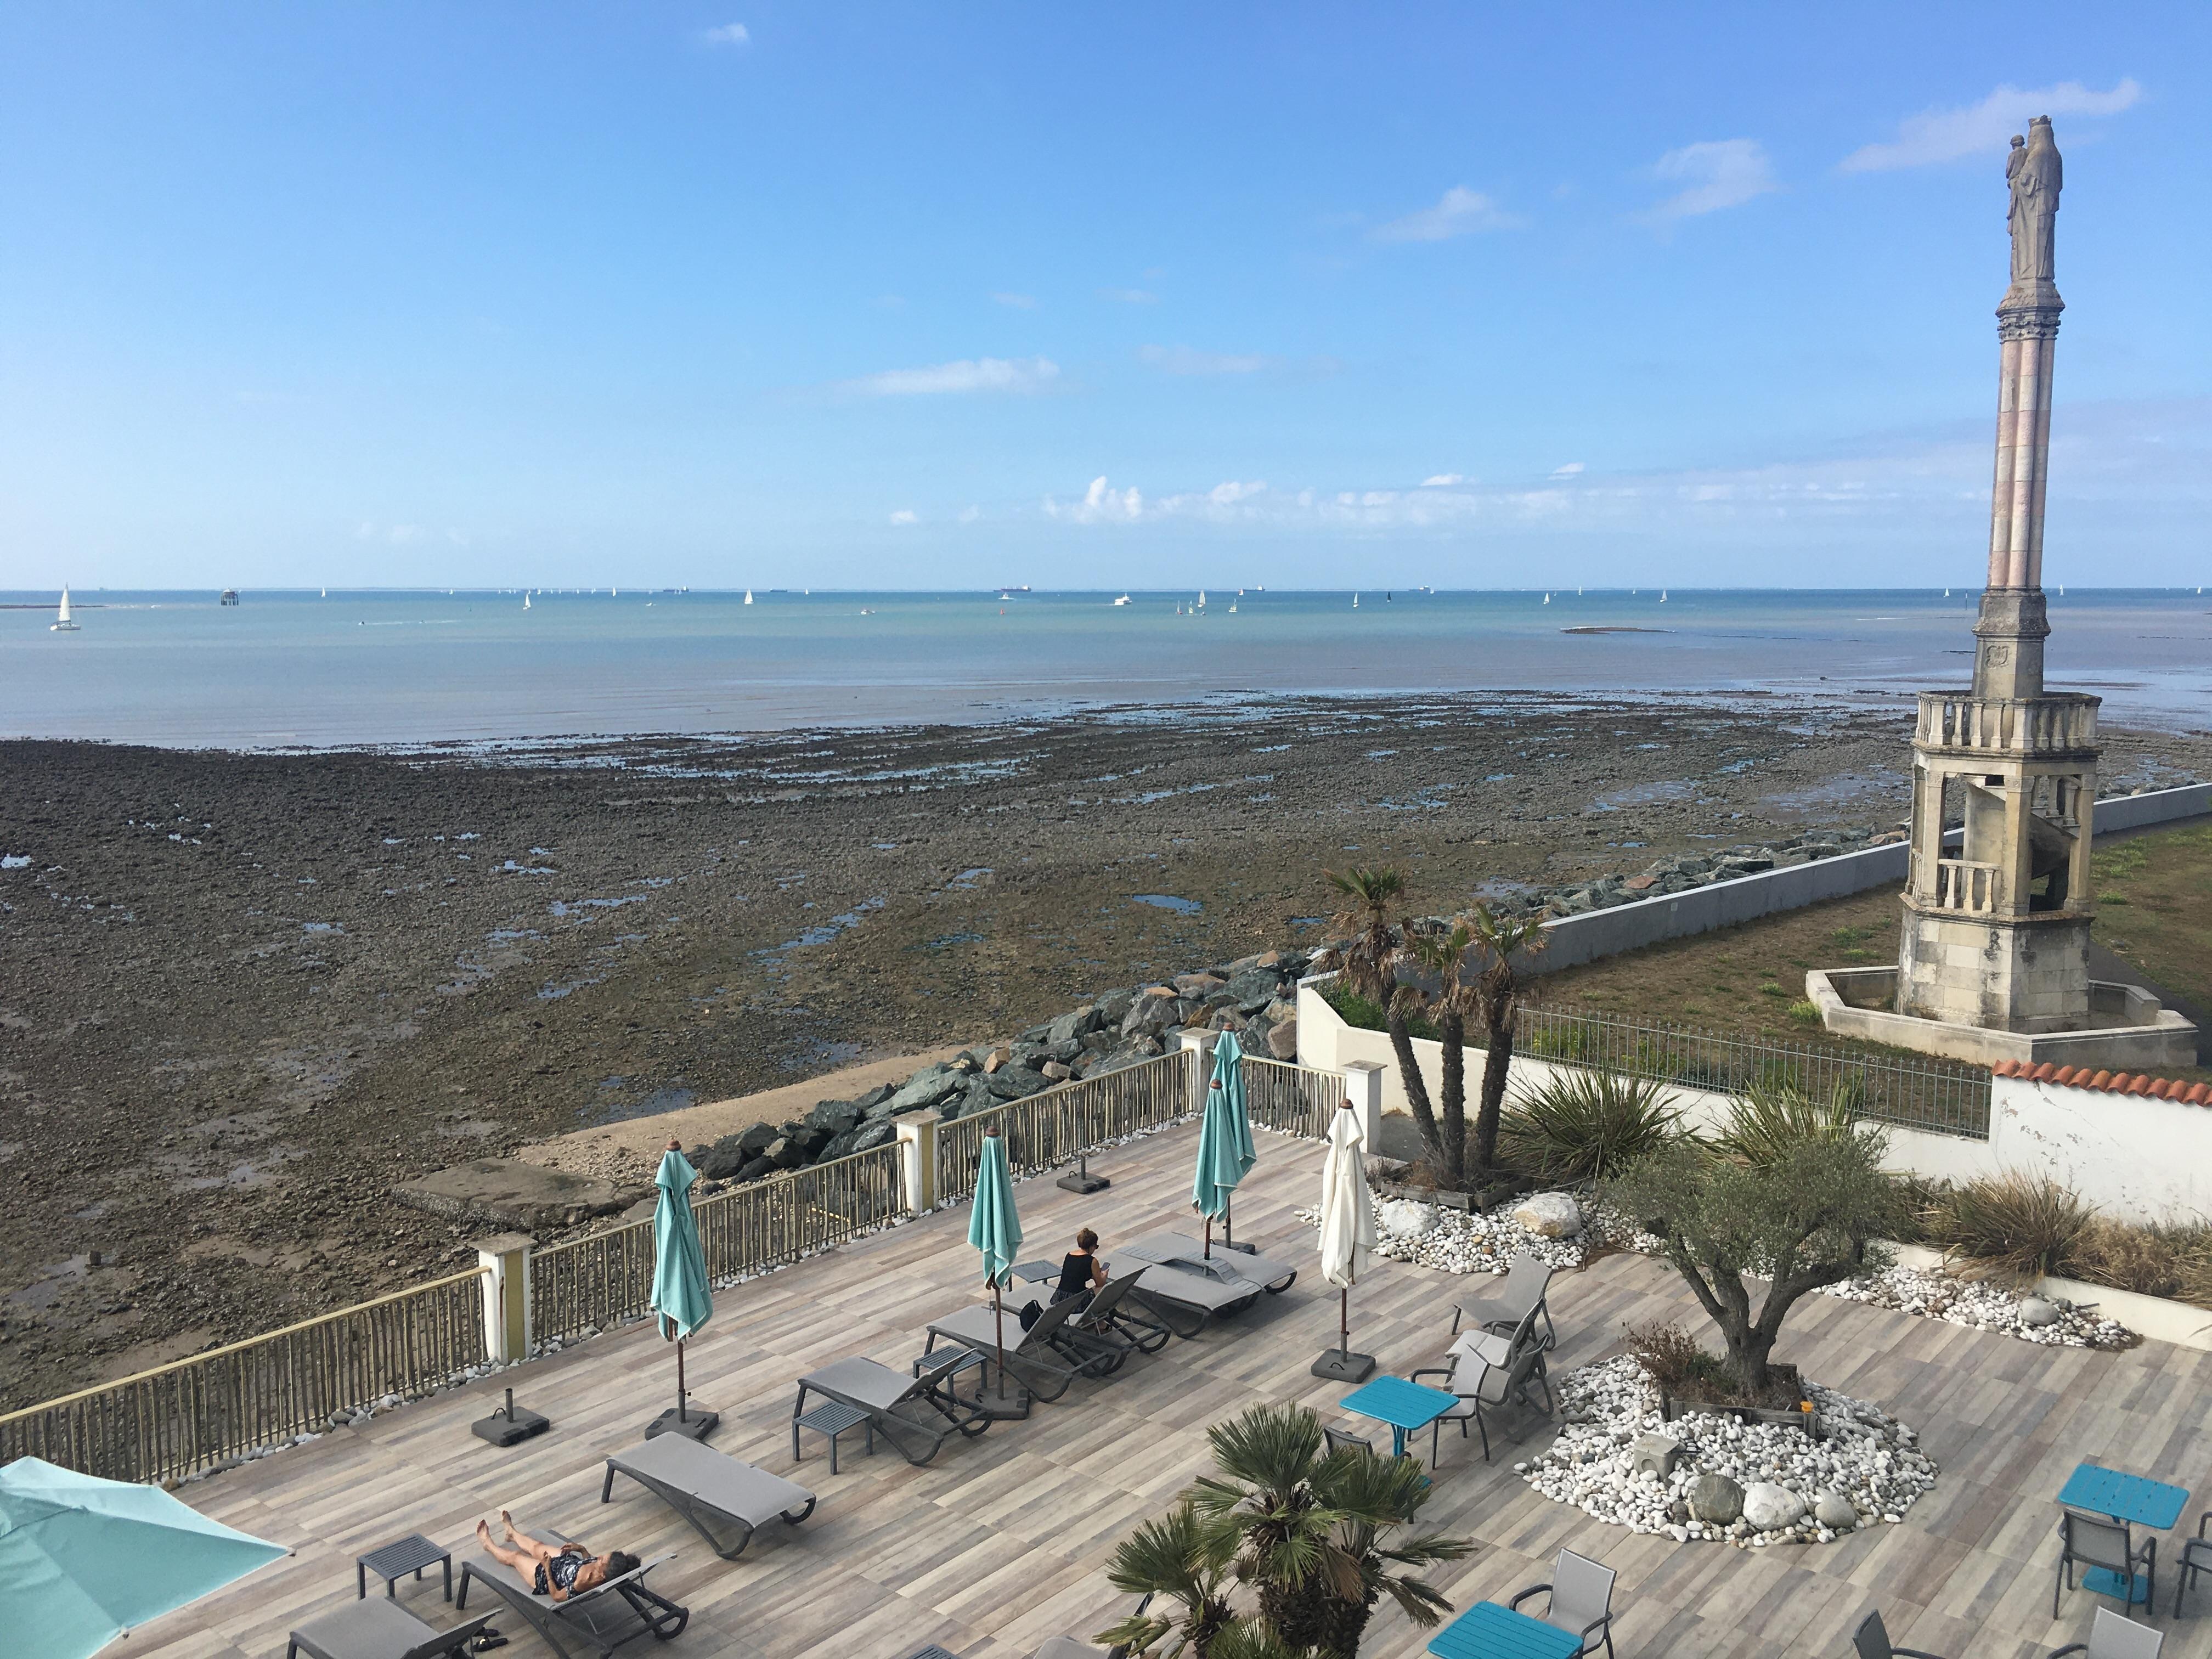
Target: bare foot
[
  {"x": 507, "y": 1520},
  {"x": 484, "y": 1534}
]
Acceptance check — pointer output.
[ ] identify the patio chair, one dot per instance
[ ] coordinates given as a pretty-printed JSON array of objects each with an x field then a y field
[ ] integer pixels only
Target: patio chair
[
  {"x": 1871, "y": 1641},
  {"x": 1514, "y": 1303},
  {"x": 1034, "y": 1356},
  {"x": 1341, "y": 1439},
  {"x": 1580, "y": 1601},
  {"x": 380, "y": 1628},
  {"x": 917, "y": 1414},
  {"x": 1486, "y": 1370},
  {"x": 1067, "y": 1647},
  {"x": 2195, "y": 1558},
  {"x": 724, "y": 1500},
  {"x": 1110, "y": 1322},
  {"x": 2112, "y": 1636},
  {"x": 2097, "y": 1541},
  {"x": 1189, "y": 1289},
  {"x": 596, "y": 1621}
]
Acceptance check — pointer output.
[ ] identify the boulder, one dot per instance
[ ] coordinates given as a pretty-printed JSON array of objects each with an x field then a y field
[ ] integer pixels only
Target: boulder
[
  {"x": 1833, "y": 1510},
  {"x": 1401, "y": 1218},
  {"x": 839, "y": 1147},
  {"x": 834, "y": 1117},
  {"x": 1071, "y": 1027},
  {"x": 1656, "y": 1454},
  {"x": 1283, "y": 1040},
  {"x": 1550, "y": 1215},
  {"x": 2034, "y": 1310},
  {"x": 925, "y": 1088},
  {"x": 1013, "y": 1082},
  {"x": 1149, "y": 1015},
  {"x": 1112, "y": 1008},
  {"x": 869, "y": 1136},
  {"x": 1715, "y": 1499},
  {"x": 1196, "y": 984},
  {"x": 1055, "y": 1072},
  {"x": 756, "y": 1169},
  {"x": 722, "y": 1160},
  {"x": 1769, "y": 1508},
  {"x": 876, "y": 1096},
  {"x": 786, "y": 1152}
]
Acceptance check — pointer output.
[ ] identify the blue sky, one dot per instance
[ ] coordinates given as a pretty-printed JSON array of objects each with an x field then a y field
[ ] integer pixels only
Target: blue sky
[{"x": 1139, "y": 295}]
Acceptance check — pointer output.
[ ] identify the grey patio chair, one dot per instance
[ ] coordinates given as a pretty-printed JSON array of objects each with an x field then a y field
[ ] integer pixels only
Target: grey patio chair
[
  {"x": 598, "y": 1620},
  {"x": 1109, "y": 1323},
  {"x": 380, "y": 1628},
  {"x": 1341, "y": 1439},
  {"x": 1486, "y": 1371},
  {"x": 724, "y": 1500},
  {"x": 1580, "y": 1601},
  {"x": 920, "y": 1412},
  {"x": 1514, "y": 1303},
  {"x": 2112, "y": 1636},
  {"x": 1871, "y": 1641},
  {"x": 1034, "y": 1356},
  {"x": 2097, "y": 1541},
  {"x": 2195, "y": 1558}
]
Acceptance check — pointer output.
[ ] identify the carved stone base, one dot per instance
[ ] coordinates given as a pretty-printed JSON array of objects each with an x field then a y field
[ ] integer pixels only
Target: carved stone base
[
  {"x": 2012, "y": 975},
  {"x": 2009, "y": 637}
]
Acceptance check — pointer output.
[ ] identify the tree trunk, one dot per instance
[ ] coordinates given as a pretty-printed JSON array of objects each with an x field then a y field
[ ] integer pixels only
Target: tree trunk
[
  {"x": 1346, "y": 1623},
  {"x": 1417, "y": 1091},
  {"x": 1749, "y": 1349},
  {"x": 1298, "y": 1614},
  {"x": 1495, "y": 1064},
  {"x": 1451, "y": 1026}
]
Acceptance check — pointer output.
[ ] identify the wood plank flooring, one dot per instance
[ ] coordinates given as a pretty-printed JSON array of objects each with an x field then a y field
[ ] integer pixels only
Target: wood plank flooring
[{"x": 1001, "y": 1541}]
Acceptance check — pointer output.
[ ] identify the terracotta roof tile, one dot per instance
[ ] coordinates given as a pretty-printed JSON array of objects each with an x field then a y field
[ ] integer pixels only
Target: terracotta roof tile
[{"x": 2116, "y": 1083}]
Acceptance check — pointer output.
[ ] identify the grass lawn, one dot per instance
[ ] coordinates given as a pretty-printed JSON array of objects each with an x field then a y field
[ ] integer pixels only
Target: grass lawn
[{"x": 2155, "y": 906}]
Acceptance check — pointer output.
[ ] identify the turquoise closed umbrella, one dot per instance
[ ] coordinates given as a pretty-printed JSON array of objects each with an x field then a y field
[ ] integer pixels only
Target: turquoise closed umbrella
[
  {"x": 682, "y": 1298},
  {"x": 83, "y": 1560},
  {"x": 995, "y": 1227},
  {"x": 1226, "y": 1153}
]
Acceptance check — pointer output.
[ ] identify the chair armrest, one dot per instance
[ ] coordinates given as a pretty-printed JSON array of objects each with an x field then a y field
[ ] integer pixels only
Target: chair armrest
[
  {"x": 2203, "y": 1521},
  {"x": 1519, "y": 1596},
  {"x": 1428, "y": 1370},
  {"x": 2071, "y": 1647}
]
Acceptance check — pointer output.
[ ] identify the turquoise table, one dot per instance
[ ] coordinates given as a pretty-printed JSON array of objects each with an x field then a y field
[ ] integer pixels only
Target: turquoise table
[
  {"x": 1404, "y": 1405},
  {"x": 2151, "y": 1504},
  {"x": 1486, "y": 1631}
]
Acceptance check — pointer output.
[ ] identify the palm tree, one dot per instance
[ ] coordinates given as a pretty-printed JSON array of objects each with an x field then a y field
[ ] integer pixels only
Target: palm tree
[
  {"x": 1188, "y": 1564},
  {"x": 1304, "y": 1528},
  {"x": 1371, "y": 895},
  {"x": 1439, "y": 957},
  {"x": 1497, "y": 992}
]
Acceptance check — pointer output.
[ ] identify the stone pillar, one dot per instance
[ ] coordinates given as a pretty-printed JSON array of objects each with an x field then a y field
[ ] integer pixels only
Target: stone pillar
[
  {"x": 1198, "y": 1044},
  {"x": 1363, "y": 1087},
  {"x": 917, "y": 1143},
  {"x": 505, "y": 1260}
]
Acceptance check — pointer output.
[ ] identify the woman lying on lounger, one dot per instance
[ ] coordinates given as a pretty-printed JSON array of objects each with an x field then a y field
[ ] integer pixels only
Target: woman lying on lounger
[{"x": 560, "y": 1573}]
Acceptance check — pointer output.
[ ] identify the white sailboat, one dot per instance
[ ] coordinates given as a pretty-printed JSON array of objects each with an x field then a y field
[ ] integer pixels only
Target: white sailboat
[
  {"x": 1355, "y": 601},
  {"x": 1662, "y": 596},
  {"x": 1124, "y": 599},
  {"x": 1232, "y": 607},
  {"x": 1201, "y": 599},
  {"x": 749, "y": 596},
  {"x": 62, "y": 623},
  {"x": 326, "y": 592},
  {"x": 526, "y": 601},
  {"x": 1547, "y": 598}
]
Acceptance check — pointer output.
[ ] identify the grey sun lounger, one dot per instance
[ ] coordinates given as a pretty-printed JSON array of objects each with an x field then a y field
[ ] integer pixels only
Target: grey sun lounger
[
  {"x": 1188, "y": 1289},
  {"x": 596, "y": 1622},
  {"x": 724, "y": 1500},
  {"x": 917, "y": 1414},
  {"x": 1035, "y": 1358},
  {"x": 380, "y": 1628},
  {"x": 1112, "y": 1323}
]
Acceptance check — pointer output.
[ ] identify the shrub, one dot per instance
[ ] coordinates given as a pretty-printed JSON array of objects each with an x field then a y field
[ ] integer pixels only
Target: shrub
[
  {"x": 1676, "y": 1361},
  {"x": 1770, "y": 1118},
  {"x": 1804, "y": 1012},
  {"x": 2012, "y": 1225},
  {"x": 1585, "y": 1126}
]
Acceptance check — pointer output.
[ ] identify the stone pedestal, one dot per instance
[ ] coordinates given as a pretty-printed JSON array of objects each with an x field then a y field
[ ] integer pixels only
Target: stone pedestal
[{"x": 2021, "y": 976}]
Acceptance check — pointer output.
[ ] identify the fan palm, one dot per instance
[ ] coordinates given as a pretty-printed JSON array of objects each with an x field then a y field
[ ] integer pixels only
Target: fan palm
[
  {"x": 1177, "y": 1559},
  {"x": 1439, "y": 955},
  {"x": 1370, "y": 895},
  {"x": 1500, "y": 940}
]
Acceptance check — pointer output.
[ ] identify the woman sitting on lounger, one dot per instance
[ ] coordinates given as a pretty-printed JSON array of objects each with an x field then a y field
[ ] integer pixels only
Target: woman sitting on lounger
[
  {"x": 1080, "y": 1270},
  {"x": 560, "y": 1573}
]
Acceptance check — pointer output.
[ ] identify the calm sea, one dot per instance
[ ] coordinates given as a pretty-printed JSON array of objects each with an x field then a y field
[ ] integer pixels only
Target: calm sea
[{"x": 285, "y": 669}]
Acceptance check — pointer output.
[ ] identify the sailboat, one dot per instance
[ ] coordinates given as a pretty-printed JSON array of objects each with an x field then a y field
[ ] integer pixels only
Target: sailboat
[
  {"x": 1662, "y": 596},
  {"x": 526, "y": 601},
  {"x": 1124, "y": 599},
  {"x": 1946, "y": 592},
  {"x": 749, "y": 596},
  {"x": 326, "y": 592},
  {"x": 62, "y": 623},
  {"x": 1547, "y": 598},
  {"x": 1232, "y": 607},
  {"x": 1355, "y": 601},
  {"x": 1201, "y": 599}
]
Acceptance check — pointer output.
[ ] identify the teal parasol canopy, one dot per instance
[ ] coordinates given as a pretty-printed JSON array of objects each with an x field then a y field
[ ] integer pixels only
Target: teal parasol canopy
[
  {"x": 1226, "y": 1153},
  {"x": 681, "y": 1294},
  {"x": 993, "y": 1226}
]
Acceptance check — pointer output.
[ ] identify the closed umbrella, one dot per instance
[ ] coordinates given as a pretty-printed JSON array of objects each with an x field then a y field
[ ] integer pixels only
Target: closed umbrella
[
  {"x": 1347, "y": 1235},
  {"x": 83, "y": 1560},
  {"x": 995, "y": 1228},
  {"x": 1226, "y": 1153},
  {"x": 681, "y": 1295}
]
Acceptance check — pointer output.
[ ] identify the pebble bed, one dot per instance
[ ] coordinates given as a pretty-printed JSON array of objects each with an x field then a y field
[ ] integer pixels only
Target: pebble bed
[
  {"x": 1865, "y": 1459},
  {"x": 1983, "y": 1306},
  {"x": 1455, "y": 1242}
]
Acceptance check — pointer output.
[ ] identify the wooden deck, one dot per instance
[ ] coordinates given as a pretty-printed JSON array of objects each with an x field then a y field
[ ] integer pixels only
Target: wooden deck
[{"x": 999, "y": 1543}]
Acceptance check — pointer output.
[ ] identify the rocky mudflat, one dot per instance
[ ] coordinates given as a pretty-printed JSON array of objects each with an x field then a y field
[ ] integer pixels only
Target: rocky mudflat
[{"x": 243, "y": 995}]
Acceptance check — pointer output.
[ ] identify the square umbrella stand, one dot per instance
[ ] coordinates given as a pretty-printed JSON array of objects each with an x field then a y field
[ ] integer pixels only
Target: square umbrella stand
[
  {"x": 1339, "y": 1362},
  {"x": 511, "y": 1424},
  {"x": 692, "y": 1422}
]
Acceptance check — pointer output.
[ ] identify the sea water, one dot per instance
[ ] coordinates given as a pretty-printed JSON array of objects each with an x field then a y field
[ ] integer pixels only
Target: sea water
[{"x": 286, "y": 669}]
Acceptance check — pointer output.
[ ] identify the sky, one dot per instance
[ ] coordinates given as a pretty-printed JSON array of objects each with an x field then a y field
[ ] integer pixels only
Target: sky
[{"x": 1139, "y": 296}]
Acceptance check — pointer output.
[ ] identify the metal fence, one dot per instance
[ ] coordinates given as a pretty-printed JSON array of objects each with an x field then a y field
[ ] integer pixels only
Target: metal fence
[
  {"x": 604, "y": 1279},
  {"x": 193, "y": 1415},
  {"x": 1053, "y": 1125},
  {"x": 1297, "y": 1099},
  {"x": 1912, "y": 1092}
]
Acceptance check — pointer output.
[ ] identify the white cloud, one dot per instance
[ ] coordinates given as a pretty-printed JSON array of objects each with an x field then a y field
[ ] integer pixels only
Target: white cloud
[
  {"x": 1571, "y": 470},
  {"x": 1444, "y": 481},
  {"x": 1101, "y": 504},
  {"x": 976, "y": 375},
  {"x": 1720, "y": 173},
  {"x": 970, "y": 514},
  {"x": 1183, "y": 360},
  {"x": 1947, "y": 135},
  {"x": 906, "y": 515},
  {"x": 728, "y": 34},
  {"x": 1019, "y": 301},
  {"x": 1229, "y": 493},
  {"x": 1458, "y": 212},
  {"x": 1129, "y": 296}
]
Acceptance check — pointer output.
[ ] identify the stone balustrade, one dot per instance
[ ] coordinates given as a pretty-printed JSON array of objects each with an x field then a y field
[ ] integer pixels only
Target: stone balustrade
[
  {"x": 2062, "y": 723},
  {"x": 1964, "y": 885}
]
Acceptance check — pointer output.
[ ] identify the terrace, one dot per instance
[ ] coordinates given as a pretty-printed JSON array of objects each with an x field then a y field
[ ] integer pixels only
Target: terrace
[{"x": 1001, "y": 1541}]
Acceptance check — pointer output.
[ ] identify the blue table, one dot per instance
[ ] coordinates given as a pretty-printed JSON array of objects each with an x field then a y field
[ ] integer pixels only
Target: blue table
[
  {"x": 1486, "y": 1631},
  {"x": 2151, "y": 1504},
  {"x": 1400, "y": 1404}
]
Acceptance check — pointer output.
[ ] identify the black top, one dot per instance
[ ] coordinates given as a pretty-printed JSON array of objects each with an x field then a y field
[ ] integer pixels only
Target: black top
[{"x": 1074, "y": 1274}]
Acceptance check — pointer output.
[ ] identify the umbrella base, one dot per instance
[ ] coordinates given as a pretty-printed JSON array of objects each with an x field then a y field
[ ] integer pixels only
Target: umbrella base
[
  {"x": 1240, "y": 1247},
  {"x": 1082, "y": 1181},
  {"x": 696, "y": 1423},
  {"x": 1001, "y": 1404},
  {"x": 502, "y": 1429},
  {"x": 1343, "y": 1366}
]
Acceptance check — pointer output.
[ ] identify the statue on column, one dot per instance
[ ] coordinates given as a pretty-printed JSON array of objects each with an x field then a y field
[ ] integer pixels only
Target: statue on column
[{"x": 2035, "y": 175}]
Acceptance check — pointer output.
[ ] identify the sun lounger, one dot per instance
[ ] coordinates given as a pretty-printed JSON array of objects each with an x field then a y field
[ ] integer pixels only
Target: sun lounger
[
  {"x": 1034, "y": 1356},
  {"x": 1188, "y": 1289},
  {"x": 1112, "y": 1323},
  {"x": 724, "y": 1500},
  {"x": 379, "y": 1629},
  {"x": 917, "y": 1414},
  {"x": 595, "y": 1621}
]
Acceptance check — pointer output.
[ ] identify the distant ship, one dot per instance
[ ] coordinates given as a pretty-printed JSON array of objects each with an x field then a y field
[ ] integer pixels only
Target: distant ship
[
  {"x": 62, "y": 623},
  {"x": 229, "y": 596},
  {"x": 1124, "y": 599}
]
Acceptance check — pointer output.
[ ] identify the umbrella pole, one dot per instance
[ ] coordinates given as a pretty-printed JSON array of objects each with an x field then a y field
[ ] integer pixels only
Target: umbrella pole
[
  {"x": 680, "y": 1416},
  {"x": 998, "y": 1402},
  {"x": 1209, "y": 1238}
]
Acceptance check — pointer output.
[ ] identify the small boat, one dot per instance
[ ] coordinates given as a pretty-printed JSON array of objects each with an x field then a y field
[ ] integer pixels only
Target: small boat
[
  {"x": 614, "y": 592},
  {"x": 1201, "y": 599},
  {"x": 1662, "y": 596},
  {"x": 1124, "y": 599},
  {"x": 1355, "y": 601},
  {"x": 526, "y": 601},
  {"x": 1547, "y": 598},
  {"x": 326, "y": 592},
  {"x": 749, "y": 596},
  {"x": 1232, "y": 607},
  {"x": 62, "y": 623},
  {"x": 229, "y": 596}
]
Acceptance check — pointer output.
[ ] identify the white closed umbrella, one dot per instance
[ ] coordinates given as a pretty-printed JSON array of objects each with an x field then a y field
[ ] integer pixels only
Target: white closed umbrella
[{"x": 1348, "y": 1236}]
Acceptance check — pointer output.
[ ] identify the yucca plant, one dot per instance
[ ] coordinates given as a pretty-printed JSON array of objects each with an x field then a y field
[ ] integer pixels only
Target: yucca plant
[
  {"x": 2013, "y": 1226},
  {"x": 1769, "y": 1119},
  {"x": 1580, "y": 1126}
]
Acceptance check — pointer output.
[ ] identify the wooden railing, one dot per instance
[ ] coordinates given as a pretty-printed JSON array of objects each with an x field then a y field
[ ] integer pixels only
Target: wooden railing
[
  {"x": 1054, "y": 1126},
  {"x": 1296, "y": 1099},
  {"x": 604, "y": 1279},
  {"x": 196, "y": 1413}
]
